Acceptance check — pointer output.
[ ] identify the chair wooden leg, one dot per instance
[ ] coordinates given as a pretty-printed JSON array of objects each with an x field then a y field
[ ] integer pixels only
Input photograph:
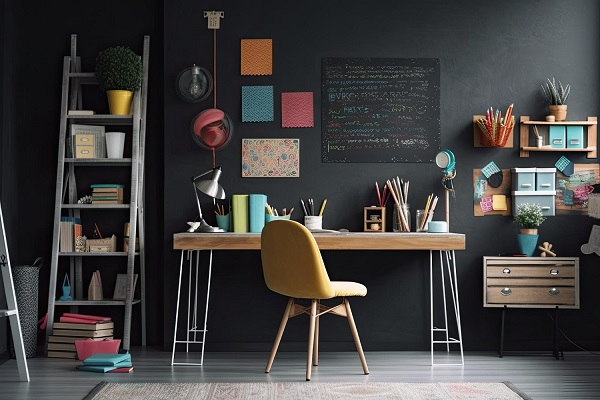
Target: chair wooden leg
[
  {"x": 316, "y": 344},
  {"x": 311, "y": 337},
  {"x": 356, "y": 338},
  {"x": 284, "y": 320}
]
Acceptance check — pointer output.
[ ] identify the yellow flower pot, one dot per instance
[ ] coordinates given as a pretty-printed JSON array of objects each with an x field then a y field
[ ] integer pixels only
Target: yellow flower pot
[{"x": 119, "y": 101}]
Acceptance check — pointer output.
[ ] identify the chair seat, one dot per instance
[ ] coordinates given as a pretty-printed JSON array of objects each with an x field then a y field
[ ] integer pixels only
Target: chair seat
[{"x": 343, "y": 289}]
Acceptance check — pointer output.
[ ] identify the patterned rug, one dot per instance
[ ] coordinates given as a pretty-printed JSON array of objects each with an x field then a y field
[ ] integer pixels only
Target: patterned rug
[{"x": 306, "y": 390}]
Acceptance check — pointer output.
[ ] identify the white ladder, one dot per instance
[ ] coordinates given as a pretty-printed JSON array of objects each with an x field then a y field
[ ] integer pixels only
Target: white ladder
[{"x": 12, "y": 312}]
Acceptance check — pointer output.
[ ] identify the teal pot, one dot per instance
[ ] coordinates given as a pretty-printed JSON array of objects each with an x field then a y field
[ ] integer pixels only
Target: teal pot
[{"x": 527, "y": 243}]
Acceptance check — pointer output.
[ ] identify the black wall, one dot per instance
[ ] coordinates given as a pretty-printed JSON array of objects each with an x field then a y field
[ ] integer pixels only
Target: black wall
[{"x": 491, "y": 54}]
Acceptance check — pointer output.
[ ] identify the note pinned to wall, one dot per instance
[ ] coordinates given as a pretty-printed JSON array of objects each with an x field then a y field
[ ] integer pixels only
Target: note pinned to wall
[
  {"x": 270, "y": 158},
  {"x": 572, "y": 192},
  {"x": 488, "y": 200}
]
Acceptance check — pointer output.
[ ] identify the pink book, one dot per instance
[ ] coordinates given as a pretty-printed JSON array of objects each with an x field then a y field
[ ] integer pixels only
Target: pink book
[
  {"x": 92, "y": 318},
  {"x": 79, "y": 320}
]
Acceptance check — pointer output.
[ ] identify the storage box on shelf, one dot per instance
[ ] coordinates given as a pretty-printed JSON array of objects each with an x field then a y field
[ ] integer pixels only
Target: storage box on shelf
[
  {"x": 374, "y": 219},
  {"x": 534, "y": 186},
  {"x": 563, "y": 136}
]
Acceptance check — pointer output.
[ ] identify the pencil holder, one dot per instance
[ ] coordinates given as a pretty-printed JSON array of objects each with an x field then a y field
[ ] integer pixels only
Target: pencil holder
[
  {"x": 313, "y": 222},
  {"x": 269, "y": 217},
  {"x": 224, "y": 222},
  {"x": 401, "y": 218}
]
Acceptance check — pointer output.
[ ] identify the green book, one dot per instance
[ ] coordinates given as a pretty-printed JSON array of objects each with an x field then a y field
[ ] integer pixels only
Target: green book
[{"x": 239, "y": 209}]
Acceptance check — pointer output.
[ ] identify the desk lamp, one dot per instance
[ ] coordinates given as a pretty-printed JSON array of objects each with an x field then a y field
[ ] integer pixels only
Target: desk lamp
[{"x": 212, "y": 188}]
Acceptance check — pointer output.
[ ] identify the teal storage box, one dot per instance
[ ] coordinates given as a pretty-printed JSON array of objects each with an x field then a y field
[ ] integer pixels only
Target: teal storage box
[
  {"x": 545, "y": 178},
  {"x": 557, "y": 134},
  {"x": 575, "y": 137},
  {"x": 544, "y": 198},
  {"x": 523, "y": 178}
]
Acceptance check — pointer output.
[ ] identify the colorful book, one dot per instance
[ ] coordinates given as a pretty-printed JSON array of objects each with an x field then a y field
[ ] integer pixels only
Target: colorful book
[
  {"x": 239, "y": 209},
  {"x": 88, "y": 326},
  {"x": 104, "y": 368},
  {"x": 72, "y": 339},
  {"x": 94, "y": 318},
  {"x": 256, "y": 212},
  {"x": 122, "y": 370},
  {"x": 83, "y": 333}
]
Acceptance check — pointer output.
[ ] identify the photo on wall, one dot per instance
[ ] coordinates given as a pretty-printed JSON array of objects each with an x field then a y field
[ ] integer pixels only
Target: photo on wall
[{"x": 270, "y": 158}]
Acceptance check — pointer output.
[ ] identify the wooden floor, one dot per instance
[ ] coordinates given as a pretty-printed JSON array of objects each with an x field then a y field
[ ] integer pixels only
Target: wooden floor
[{"x": 539, "y": 375}]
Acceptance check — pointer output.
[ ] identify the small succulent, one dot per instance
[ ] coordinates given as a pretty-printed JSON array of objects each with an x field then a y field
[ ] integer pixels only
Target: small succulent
[
  {"x": 556, "y": 94},
  {"x": 529, "y": 216}
]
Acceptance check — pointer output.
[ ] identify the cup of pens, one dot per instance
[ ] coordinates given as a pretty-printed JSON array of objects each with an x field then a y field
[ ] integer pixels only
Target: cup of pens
[
  {"x": 313, "y": 222},
  {"x": 495, "y": 130},
  {"x": 223, "y": 220}
]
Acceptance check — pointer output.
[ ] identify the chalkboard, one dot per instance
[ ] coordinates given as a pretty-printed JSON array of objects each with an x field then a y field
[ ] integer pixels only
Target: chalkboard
[{"x": 380, "y": 109}]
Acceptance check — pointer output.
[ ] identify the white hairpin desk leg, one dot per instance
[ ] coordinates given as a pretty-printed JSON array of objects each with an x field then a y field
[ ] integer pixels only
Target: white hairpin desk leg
[
  {"x": 192, "y": 317},
  {"x": 447, "y": 258}
]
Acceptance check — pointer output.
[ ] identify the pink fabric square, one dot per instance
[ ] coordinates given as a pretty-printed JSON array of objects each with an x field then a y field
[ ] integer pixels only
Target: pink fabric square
[
  {"x": 487, "y": 204},
  {"x": 297, "y": 110}
]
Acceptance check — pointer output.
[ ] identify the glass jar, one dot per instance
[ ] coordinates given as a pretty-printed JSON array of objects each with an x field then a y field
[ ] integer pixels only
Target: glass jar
[
  {"x": 397, "y": 225},
  {"x": 421, "y": 221}
]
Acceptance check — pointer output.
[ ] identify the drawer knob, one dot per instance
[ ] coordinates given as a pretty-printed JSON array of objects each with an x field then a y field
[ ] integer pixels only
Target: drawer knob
[
  {"x": 554, "y": 292},
  {"x": 553, "y": 271},
  {"x": 506, "y": 271},
  {"x": 506, "y": 291}
]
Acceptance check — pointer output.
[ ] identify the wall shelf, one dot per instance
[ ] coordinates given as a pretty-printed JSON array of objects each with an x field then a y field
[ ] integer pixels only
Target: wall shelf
[
  {"x": 477, "y": 136},
  {"x": 592, "y": 136}
]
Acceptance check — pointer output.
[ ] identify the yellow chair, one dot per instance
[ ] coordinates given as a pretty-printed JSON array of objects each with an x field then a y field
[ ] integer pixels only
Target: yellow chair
[{"x": 293, "y": 266}]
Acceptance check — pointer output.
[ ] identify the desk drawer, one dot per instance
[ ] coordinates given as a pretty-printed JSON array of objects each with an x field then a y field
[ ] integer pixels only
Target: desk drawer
[
  {"x": 542, "y": 271},
  {"x": 531, "y": 282},
  {"x": 531, "y": 295}
]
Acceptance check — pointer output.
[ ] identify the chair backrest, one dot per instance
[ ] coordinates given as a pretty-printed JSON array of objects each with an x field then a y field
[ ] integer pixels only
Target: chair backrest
[{"x": 292, "y": 263}]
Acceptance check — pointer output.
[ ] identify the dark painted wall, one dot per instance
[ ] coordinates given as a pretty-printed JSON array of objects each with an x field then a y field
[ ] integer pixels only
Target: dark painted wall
[{"x": 492, "y": 54}]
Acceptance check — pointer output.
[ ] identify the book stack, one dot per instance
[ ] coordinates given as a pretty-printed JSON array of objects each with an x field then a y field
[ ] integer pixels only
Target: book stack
[
  {"x": 72, "y": 327},
  {"x": 107, "y": 362},
  {"x": 107, "y": 193}
]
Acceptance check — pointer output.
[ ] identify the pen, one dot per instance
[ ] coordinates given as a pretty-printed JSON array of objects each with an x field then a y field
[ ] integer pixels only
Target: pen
[
  {"x": 323, "y": 207},
  {"x": 304, "y": 207},
  {"x": 291, "y": 211}
]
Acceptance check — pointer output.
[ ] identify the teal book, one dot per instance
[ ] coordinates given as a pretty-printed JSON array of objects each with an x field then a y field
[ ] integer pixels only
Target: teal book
[
  {"x": 256, "y": 212},
  {"x": 107, "y": 359},
  {"x": 239, "y": 209},
  {"x": 104, "y": 368}
]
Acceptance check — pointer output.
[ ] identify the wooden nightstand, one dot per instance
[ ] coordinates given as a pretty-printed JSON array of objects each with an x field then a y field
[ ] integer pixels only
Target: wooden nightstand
[{"x": 531, "y": 282}]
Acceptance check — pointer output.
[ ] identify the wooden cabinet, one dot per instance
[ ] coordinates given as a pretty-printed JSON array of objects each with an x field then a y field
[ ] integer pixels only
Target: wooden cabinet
[
  {"x": 374, "y": 219},
  {"x": 590, "y": 145},
  {"x": 531, "y": 282}
]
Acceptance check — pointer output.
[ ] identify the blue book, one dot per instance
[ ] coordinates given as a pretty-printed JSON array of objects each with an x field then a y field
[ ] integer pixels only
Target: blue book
[
  {"x": 107, "y": 359},
  {"x": 256, "y": 212},
  {"x": 104, "y": 368}
]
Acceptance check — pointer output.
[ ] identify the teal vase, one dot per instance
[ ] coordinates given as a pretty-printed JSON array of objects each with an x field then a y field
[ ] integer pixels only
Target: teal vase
[{"x": 527, "y": 243}]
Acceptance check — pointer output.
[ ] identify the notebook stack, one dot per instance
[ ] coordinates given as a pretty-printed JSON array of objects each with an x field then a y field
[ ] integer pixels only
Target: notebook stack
[
  {"x": 72, "y": 327},
  {"x": 107, "y": 362},
  {"x": 107, "y": 193}
]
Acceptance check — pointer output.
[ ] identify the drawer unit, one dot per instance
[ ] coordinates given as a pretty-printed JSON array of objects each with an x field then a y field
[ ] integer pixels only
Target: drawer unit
[
  {"x": 544, "y": 198},
  {"x": 531, "y": 282},
  {"x": 545, "y": 178},
  {"x": 523, "y": 178},
  {"x": 84, "y": 152},
  {"x": 575, "y": 137},
  {"x": 558, "y": 136}
]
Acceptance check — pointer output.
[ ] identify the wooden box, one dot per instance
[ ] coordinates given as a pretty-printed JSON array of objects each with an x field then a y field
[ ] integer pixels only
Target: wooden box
[
  {"x": 374, "y": 219},
  {"x": 106, "y": 245}
]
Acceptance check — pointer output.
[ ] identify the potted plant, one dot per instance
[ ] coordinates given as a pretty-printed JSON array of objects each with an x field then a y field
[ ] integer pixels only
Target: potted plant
[
  {"x": 556, "y": 96},
  {"x": 119, "y": 74},
  {"x": 529, "y": 217}
]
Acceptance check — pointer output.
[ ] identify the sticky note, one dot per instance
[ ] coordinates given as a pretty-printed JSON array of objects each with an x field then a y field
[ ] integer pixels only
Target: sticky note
[
  {"x": 499, "y": 202},
  {"x": 486, "y": 204}
]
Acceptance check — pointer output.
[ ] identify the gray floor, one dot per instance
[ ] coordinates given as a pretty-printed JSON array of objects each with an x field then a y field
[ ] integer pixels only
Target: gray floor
[{"x": 539, "y": 375}]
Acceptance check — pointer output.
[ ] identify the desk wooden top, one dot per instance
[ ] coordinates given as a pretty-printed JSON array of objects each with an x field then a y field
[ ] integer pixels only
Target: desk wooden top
[{"x": 326, "y": 241}]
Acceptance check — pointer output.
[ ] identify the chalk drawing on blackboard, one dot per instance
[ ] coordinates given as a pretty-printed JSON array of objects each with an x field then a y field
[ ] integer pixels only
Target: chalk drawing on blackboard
[{"x": 380, "y": 109}]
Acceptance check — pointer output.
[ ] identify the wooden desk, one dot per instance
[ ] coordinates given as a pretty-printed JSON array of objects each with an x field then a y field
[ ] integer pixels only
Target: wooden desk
[{"x": 445, "y": 243}]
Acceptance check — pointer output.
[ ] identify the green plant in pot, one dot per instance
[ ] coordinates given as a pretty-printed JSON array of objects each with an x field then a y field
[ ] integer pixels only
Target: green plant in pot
[
  {"x": 556, "y": 96},
  {"x": 119, "y": 73},
  {"x": 529, "y": 217}
]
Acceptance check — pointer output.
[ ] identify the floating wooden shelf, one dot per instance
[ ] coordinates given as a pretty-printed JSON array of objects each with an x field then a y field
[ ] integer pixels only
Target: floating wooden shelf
[{"x": 592, "y": 137}]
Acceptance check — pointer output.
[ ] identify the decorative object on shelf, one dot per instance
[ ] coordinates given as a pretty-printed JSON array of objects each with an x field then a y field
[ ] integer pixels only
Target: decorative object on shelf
[
  {"x": 212, "y": 188},
  {"x": 529, "y": 217},
  {"x": 95, "y": 287},
  {"x": 495, "y": 130},
  {"x": 87, "y": 199},
  {"x": 374, "y": 219},
  {"x": 193, "y": 225},
  {"x": 66, "y": 287},
  {"x": 119, "y": 74},
  {"x": 556, "y": 96},
  {"x": 493, "y": 174},
  {"x": 194, "y": 84},
  {"x": 80, "y": 244},
  {"x": 546, "y": 250},
  {"x": 593, "y": 244}
]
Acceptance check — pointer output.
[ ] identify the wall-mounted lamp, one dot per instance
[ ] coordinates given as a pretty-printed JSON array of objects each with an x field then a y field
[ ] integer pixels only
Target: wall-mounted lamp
[
  {"x": 194, "y": 84},
  {"x": 209, "y": 187}
]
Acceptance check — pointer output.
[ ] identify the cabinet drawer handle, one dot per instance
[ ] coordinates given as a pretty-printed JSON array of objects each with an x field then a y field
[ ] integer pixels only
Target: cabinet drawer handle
[
  {"x": 506, "y": 271},
  {"x": 546, "y": 184},
  {"x": 553, "y": 272},
  {"x": 526, "y": 185},
  {"x": 506, "y": 291},
  {"x": 554, "y": 292},
  {"x": 545, "y": 208}
]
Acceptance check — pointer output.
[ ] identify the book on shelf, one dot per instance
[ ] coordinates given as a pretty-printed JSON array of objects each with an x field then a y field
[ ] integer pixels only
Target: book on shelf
[
  {"x": 120, "y": 292},
  {"x": 72, "y": 339},
  {"x": 62, "y": 354},
  {"x": 81, "y": 112},
  {"x": 93, "y": 318},
  {"x": 85, "y": 326},
  {"x": 80, "y": 333},
  {"x": 62, "y": 346},
  {"x": 239, "y": 209},
  {"x": 67, "y": 233}
]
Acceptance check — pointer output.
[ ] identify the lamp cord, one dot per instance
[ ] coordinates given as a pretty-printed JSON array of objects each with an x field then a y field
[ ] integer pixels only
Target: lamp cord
[{"x": 215, "y": 66}]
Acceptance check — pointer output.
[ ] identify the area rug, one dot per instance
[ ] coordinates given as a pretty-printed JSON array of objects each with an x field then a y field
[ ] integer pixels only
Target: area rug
[{"x": 306, "y": 390}]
